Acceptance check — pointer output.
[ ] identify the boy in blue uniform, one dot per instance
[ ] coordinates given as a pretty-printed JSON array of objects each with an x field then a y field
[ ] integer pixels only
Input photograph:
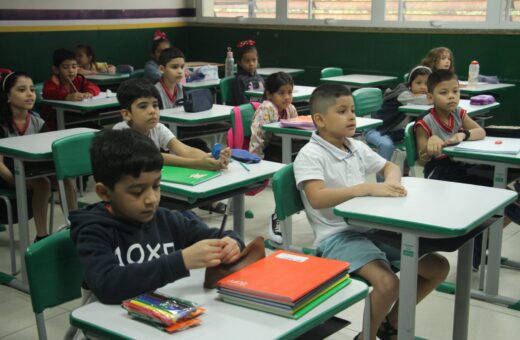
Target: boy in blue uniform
[
  {"x": 331, "y": 169},
  {"x": 127, "y": 244}
]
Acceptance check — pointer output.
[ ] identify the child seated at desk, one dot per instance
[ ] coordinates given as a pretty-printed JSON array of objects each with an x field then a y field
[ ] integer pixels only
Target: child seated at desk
[
  {"x": 331, "y": 169},
  {"x": 151, "y": 68},
  {"x": 87, "y": 62},
  {"x": 439, "y": 58},
  {"x": 385, "y": 136},
  {"x": 65, "y": 84},
  {"x": 127, "y": 244},
  {"x": 171, "y": 66},
  {"x": 139, "y": 100},
  {"x": 246, "y": 77},
  {"x": 17, "y": 119}
]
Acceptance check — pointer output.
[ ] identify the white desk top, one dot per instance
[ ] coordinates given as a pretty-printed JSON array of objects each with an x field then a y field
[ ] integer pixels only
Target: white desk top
[
  {"x": 464, "y": 103},
  {"x": 234, "y": 177},
  {"x": 482, "y": 87},
  {"x": 432, "y": 208},
  {"x": 220, "y": 320},
  {"x": 83, "y": 105},
  {"x": 360, "y": 79},
  {"x": 453, "y": 151},
  {"x": 362, "y": 123},
  {"x": 36, "y": 146},
  {"x": 266, "y": 71},
  {"x": 202, "y": 84},
  {"x": 107, "y": 76},
  {"x": 216, "y": 113},
  {"x": 299, "y": 92}
]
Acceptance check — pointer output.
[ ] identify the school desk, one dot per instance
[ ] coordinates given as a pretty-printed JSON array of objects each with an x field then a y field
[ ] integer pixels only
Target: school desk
[
  {"x": 103, "y": 79},
  {"x": 233, "y": 182},
  {"x": 204, "y": 84},
  {"x": 27, "y": 149},
  {"x": 267, "y": 71},
  {"x": 288, "y": 134},
  {"x": 300, "y": 93},
  {"x": 432, "y": 209},
  {"x": 360, "y": 80},
  {"x": 482, "y": 88},
  {"x": 416, "y": 110},
  {"x": 201, "y": 63},
  {"x": 178, "y": 117},
  {"x": 83, "y": 107},
  {"x": 501, "y": 163},
  {"x": 220, "y": 320}
]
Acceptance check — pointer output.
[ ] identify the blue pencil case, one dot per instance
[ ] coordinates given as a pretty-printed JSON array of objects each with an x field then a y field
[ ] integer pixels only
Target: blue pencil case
[{"x": 244, "y": 156}]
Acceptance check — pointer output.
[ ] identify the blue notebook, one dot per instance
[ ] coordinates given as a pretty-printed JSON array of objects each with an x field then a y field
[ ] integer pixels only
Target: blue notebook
[{"x": 186, "y": 176}]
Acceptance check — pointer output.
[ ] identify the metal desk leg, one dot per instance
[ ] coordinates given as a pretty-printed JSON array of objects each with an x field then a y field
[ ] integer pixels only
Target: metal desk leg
[
  {"x": 462, "y": 292},
  {"x": 494, "y": 251},
  {"x": 286, "y": 149},
  {"x": 408, "y": 286},
  {"x": 60, "y": 118},
  {"x": 238, "y": 215}
]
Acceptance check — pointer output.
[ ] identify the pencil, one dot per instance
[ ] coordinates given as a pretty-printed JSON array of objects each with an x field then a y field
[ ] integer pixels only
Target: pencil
[
  {"x": 244, "y": 166},
  {"x": 73, "y": 86}
]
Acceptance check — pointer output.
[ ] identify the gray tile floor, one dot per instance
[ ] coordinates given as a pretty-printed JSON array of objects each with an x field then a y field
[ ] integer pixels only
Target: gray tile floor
[{"x": 434, "y": 314}]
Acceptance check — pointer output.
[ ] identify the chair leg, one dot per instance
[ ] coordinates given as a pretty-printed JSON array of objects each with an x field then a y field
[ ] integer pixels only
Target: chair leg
[
  {"x": 366, "y": 318},
  {"x": 40, "y": 325},
  {"x": 51, "y": 215},
  {"x": 10, "y": 229}
]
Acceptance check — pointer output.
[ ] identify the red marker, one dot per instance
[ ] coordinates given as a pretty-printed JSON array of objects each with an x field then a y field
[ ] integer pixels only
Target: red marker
[{"x": 498, "y": 142}]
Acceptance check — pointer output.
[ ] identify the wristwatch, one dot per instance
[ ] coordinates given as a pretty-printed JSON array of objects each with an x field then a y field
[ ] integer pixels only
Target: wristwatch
[{"x": 467, "y": 134}]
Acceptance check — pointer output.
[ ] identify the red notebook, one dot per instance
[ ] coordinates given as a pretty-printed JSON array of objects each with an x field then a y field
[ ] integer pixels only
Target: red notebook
[{"x": 284, "y": 275}]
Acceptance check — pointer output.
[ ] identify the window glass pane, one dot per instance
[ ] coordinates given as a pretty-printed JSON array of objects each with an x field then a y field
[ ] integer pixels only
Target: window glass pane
[
  {"x": 513, "y": 11},
  {"x": 240, "y": 8},
  {"x": 339, "y": 9},
  {"x": 440, "y": 10}
]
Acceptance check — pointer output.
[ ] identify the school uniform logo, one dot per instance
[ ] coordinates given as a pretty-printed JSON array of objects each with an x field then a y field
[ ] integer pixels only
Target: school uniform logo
[{"x": 139, "y": 253}]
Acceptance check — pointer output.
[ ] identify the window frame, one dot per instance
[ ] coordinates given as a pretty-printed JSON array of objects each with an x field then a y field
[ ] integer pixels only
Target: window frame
[{"x": 496, "y": 19}]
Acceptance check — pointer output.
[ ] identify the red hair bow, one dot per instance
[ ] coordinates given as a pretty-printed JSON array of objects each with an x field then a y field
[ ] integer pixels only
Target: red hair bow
[
  {"x": 246, "y": 43},
  {"x": 159, "y": 35}
]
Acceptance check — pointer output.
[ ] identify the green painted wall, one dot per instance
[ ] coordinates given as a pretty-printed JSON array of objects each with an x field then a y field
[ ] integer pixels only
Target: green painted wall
[{"x": 360, "y": 52}]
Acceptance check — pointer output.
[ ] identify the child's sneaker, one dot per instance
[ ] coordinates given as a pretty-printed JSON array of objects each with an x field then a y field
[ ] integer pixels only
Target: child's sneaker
[{"x": 274, "y": 229}]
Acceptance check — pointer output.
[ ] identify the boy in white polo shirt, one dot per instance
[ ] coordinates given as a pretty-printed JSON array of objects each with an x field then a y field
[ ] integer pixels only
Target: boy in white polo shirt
[{"x": 331, "y": 169}]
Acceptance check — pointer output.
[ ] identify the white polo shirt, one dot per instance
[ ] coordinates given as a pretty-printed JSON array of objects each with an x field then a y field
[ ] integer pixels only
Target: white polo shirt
[
  {"x": 160, "y": 134},
  {"x": 320, "y": 160}
]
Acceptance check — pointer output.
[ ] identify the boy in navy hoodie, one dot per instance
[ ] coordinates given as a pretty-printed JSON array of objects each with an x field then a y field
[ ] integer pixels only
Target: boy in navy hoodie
[{"x": 127, "y": 244}]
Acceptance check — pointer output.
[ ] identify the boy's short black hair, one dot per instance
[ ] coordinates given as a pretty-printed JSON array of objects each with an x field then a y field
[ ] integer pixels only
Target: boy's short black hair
[
  {"x": 62, "y": 54},
  {"x": 324, "y": 96},
  {"x": 438, "y": 77},
  {"x": 168, "y": 54},
  {"x": 133, "y": 89},
  {"x": 117, "y": 153}
]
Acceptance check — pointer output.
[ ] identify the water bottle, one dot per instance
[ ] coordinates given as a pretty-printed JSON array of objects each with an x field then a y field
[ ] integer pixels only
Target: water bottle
[
  {"x": 230, "y": 63},
  {"x": 473, "y": 72}
]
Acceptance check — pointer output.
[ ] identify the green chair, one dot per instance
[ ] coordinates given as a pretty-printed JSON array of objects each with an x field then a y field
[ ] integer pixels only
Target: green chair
[
  {"x": 71, "y": 159},
  {"x": 288, "y": 202},
  {"x": 226, "y": 85},
  {"x": 54, "y": 273},
  {"x": 331, "y": 72},
  {"x": 247, "y": 112},
  {"x": 7, "y": 195},
  {"x": 367, "y": 100},
  {"x": 409, "y": 143},
  {"x": 137, "y": 73},
  {"x": 405, "y": 77}
]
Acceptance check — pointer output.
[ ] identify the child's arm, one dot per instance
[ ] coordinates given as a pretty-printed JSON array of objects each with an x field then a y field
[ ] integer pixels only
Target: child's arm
[
  {"x": 90, "y": 88},
  {"x": 321, "y": 197},
  {"x": 259, "y": 138},
  {"x": 190, "y": 157},
  {"x": 5, "y": 173},
  {"x": 476, "y": 132},
  {"x": 427, "y": 147},
  {"x": 392, "y": 173},
  {"x": 407, "y": 97}
]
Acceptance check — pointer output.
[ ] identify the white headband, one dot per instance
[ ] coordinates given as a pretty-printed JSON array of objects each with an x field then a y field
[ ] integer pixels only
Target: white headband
[
  {"x": 5, "y": 78},
  {"x": 417, "y": 68}
]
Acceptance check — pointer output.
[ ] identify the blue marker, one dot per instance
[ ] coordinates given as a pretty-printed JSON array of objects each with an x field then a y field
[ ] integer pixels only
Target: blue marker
[{"x": 215, "y": 152}]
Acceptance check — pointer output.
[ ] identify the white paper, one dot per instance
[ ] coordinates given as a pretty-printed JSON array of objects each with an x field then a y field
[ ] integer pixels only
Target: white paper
[{"x": 492, "y": 145}]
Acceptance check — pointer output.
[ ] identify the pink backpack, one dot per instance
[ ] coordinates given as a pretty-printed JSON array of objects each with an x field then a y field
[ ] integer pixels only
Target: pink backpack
[{"x": 237, "y": 140}]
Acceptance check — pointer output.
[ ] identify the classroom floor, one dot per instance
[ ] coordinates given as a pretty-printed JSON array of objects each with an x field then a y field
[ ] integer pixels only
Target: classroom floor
[{"x": 434, "y": 315}]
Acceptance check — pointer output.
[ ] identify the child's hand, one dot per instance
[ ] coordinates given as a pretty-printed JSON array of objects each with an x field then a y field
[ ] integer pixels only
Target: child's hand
[
  {"x": 205, "y": 253},
  {"x": 210, "y": 163},
  {"x": 87, "y": 95},
  {"x": 231, "y": 250},
  {"x": 455, "y": 139},
  {"x": 225, "y": 155},
  {"x": 75, "y": 96},
  {"x": 111, "y": 69},
  {"x": 434, "y": 146},
  {"x": 385, "y": 189}
]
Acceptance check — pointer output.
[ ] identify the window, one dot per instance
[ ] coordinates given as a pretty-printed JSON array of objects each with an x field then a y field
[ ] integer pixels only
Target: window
[
  {"x": 339, "y": 9},
  {"x": 240, "y": 8},
  {"x": 513, "y": 10},
  {"x": 436, "y": 10}
]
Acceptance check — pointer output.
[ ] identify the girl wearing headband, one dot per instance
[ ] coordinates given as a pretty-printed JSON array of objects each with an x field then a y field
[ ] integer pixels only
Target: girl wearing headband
[
  {"x": 151, "y": 68},
  {"x": 17, "y": 100},
  {"x": 385, "y": 136},
  {"x": 246, "y": 77}
]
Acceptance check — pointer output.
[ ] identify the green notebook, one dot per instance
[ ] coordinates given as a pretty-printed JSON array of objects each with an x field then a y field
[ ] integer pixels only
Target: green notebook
[{"x": 186, "y": 176}]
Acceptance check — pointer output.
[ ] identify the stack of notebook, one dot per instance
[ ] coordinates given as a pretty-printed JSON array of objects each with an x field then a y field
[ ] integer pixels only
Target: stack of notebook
[{"x": 285, "y": 283}]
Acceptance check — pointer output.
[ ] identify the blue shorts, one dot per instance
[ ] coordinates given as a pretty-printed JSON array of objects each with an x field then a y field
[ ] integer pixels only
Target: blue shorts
[{"x": 355, "y": 248}]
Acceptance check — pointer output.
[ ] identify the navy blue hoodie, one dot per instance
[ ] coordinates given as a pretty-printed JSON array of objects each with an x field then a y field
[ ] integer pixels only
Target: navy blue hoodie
[{"x": 122, "y": 259}]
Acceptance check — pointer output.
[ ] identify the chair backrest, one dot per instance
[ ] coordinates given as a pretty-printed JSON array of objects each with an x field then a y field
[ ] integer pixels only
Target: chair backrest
[
  {"x": 405, "y": 77},
  {"x": 367, "y": 100},
  {"x": 241, "y": 118},
  {"x": 286, "y": 194},
  {"x": 71, "y": 155},
  {"x": 331, "y": 72},
  {"x": 54, "y": 271},
  {"x": 226, "y": 85},
  {"x": 409, "y": 142},
  {"x": 38, "y": 89}
]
